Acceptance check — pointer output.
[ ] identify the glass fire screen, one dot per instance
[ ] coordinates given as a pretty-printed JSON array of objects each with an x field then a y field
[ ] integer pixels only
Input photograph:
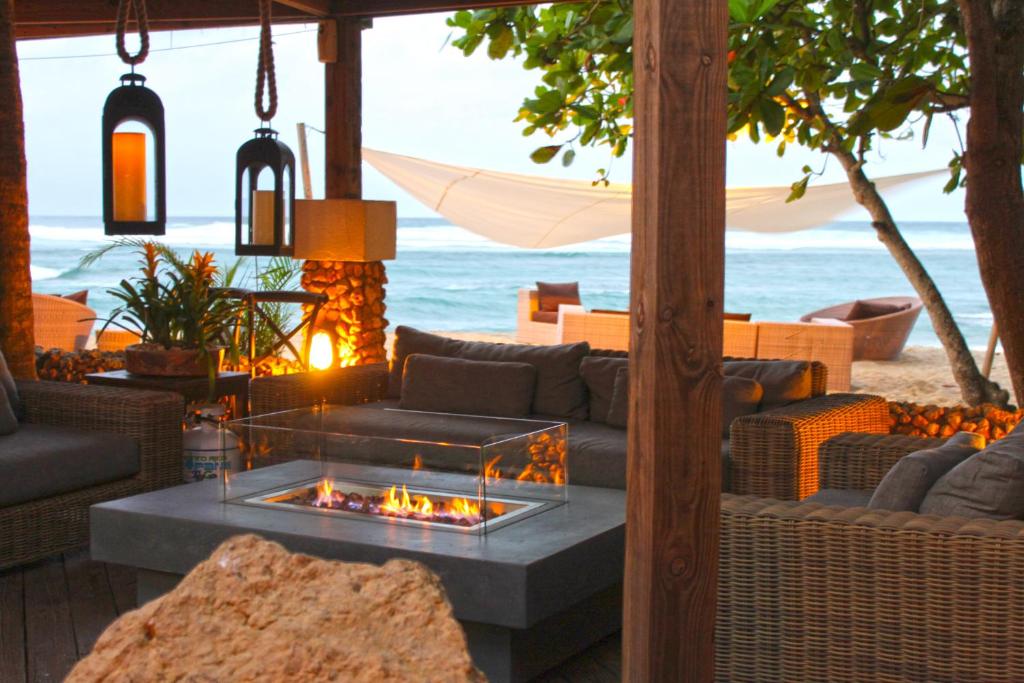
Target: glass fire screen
[{"x": 434, "y": 470}]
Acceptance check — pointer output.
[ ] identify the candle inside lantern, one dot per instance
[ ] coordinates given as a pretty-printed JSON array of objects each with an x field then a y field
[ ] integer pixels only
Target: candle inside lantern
[
  {"x": 129, "y": 155},
  {"x": 263, "y": 217},
  {"x": 321, "y": 352}
]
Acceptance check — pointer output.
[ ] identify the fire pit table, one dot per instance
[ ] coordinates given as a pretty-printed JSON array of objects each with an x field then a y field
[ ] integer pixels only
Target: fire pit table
[{"x": 532, "y": 565}]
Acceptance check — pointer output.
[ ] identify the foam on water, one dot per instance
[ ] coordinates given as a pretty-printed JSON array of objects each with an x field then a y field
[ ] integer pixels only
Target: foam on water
[{"x": 448, "y": 278}]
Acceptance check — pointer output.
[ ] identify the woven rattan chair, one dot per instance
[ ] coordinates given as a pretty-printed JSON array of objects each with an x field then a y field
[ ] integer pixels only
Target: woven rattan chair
[
  {"x": 882, "y": 337},
  {"x": 774, "y": 453},
  {"x": 814, "y": 593},
  {"x": 37, "y": 529},
  {"x": 61, "y": 323}
]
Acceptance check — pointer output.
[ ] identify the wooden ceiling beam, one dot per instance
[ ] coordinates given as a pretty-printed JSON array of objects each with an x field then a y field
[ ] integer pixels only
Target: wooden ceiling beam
[
  {"x": 317, "y": 8},
  {"x": 384, "y": 8},
  {"x": 61, "y": 18}
]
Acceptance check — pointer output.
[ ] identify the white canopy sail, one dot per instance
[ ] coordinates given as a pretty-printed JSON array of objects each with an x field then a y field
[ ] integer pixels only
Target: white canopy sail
[{"x": 537, "y": 212}]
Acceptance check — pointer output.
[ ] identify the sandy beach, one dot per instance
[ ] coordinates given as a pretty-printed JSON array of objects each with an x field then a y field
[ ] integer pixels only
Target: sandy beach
[{"x": 921, "y": 374}]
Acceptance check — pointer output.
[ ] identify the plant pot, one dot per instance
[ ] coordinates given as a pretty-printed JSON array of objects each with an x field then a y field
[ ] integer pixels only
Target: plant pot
[{"x": 155, "y": 360}]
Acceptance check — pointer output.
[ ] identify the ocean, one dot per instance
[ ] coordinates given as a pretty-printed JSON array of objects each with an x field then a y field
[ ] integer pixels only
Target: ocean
[{"x": 446, "y": 278}]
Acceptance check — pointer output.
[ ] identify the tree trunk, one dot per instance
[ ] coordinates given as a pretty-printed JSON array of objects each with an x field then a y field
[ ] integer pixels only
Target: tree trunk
[
  {"x": 974, "y": 387},
  {"x": 16, "y": 338},
  {"x": 995, "y": 199}
]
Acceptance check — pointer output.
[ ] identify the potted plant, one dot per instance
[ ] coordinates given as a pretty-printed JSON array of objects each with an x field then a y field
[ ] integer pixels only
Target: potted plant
[{"x": 184, "y": 321}]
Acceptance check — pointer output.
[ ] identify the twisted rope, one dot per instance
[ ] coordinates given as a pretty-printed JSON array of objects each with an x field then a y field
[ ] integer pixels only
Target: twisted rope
[
  {"x": 123, "y": 7},
  {"x": 265, "y": 77}
]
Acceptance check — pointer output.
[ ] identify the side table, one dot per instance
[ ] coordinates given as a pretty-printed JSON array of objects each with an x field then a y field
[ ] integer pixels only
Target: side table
[{"x": 233, "y": 384}]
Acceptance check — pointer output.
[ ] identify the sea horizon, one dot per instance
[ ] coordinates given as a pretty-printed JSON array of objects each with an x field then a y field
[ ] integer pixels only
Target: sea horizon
[{"x": 447, "y": 278}]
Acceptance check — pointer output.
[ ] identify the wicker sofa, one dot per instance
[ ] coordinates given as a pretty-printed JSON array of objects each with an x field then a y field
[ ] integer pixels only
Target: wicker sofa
[
  {"x": 809, "y": 592},
  {"x": 770, "y": 453},
  {"x": 82, "y": 416}
]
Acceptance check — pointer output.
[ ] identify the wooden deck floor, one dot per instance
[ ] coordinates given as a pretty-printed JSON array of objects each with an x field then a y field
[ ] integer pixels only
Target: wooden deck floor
[{"x": 52, "y": 612}]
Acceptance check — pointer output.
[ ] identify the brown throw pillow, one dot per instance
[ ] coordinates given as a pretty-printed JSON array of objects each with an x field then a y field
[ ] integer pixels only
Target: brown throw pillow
[
  {"x": 862, "y": 310},
  {"x": 906, "y": 484},
  {"x": 549, "y": 317},
  {"x": 559, "y": 390},
  {"x": 599, "y": 374},
  {"x": 79, "y": 297},
  {"x": 989, "y": 483},
  {"x": 618, "y": 411},
  {"x": 740, "y": 396},
  {"x": 469, "y": 387},
  {"x": 551, "y": 295},
  {"x": 8, "y": 421},
  {"x": 783, "y": 381}
]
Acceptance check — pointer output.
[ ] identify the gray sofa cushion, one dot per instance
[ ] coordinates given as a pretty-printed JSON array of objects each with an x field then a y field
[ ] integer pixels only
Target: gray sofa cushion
[
  {"x": 846, "y": 498},
  {"x": 10, "y": 388},
  {"x": 470, "y": 387},
  {"x": 599, "y": 375},
  {"x": 740, "y": 396},
  {"x": 39, "y": 461},
  {"x": 906, "y": 484},
  {"x": 989, "y": 483},
  {"x": 783, "y": 381},
  {"x": 559, "y": 391}
]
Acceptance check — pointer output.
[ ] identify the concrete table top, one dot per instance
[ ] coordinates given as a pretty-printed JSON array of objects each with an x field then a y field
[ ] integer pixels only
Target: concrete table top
[{"x": 513, "y": 577}]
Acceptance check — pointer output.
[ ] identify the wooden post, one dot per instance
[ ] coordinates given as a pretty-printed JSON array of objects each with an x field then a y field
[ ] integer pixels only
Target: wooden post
[
  {"x": 354, "y": 312},
  {"x": 343, "y": 100},
  {"x": 307, "y": 181},
  {"x": 674, "y": 467}
]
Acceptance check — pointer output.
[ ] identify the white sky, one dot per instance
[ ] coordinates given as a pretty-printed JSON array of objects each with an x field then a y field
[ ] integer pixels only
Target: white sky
[{"x": 419, "y": 99}]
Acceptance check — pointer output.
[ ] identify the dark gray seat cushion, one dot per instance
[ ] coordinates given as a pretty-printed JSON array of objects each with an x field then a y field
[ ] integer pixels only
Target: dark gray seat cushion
[
  {"x": 597, "y": 455},
  {"x": 989, "y": 483},
  {"x": 559, "y": 391},
  {"x": 907, "y": 482},
  {"x": 40, "y": 461},
  {"x": 783, "y": 381},
  {"x": 847, "y": 498},
  {"x": 470, "y": 387},
  {"x": 599, "y": 375}
]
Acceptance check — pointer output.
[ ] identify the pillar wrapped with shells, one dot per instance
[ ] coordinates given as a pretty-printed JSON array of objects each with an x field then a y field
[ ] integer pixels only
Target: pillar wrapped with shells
[{"x": 354, "y": 313}]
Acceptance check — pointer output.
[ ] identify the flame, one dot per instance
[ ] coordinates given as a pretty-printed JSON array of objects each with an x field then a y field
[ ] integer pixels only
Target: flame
[
  {"x": 421, "y": 507},
  {"x": 321, "y": 356},
  {"x": 417, "y": 462},
  {"x": 325, "y": 494},
  {"x": 491, "y": 471}
]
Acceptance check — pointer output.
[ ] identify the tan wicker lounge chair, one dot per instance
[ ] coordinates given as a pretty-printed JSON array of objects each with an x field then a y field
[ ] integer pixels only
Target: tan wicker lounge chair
[
  {"x": 878, "y": 338},
  {"x": 61, "y": 323}
]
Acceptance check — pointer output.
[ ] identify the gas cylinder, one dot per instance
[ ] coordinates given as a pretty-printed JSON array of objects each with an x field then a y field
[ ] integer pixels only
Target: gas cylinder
[{"x": 209, "y": 448}]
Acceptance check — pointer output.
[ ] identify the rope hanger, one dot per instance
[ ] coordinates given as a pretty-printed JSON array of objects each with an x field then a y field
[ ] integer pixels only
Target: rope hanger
[
  {"x": 265, "y": 77},
  {"x": 123, "y": 8}
]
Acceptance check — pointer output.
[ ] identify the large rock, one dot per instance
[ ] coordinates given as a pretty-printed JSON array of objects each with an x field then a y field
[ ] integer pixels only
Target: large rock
[{"x": 255, "y": 612}]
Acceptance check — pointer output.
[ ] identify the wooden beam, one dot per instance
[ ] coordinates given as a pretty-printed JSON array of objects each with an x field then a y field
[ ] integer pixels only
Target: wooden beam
[
  {"x": 343, "y": 116},
  {"x": 317, "y": 8},
  {"x": 66, "y": 18},
  {"x": 674, "y": 464},
  {"x": 383, "y": 8}
]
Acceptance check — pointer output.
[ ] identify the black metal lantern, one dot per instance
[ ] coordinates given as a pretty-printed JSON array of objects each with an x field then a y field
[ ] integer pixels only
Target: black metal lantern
[
  {"x": 134, "y": 187},
  {"x": 264, "y": 218}
]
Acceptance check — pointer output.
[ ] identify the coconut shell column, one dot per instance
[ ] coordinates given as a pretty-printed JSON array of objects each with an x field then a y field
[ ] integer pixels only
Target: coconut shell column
[{"x": 354, "y": 313}]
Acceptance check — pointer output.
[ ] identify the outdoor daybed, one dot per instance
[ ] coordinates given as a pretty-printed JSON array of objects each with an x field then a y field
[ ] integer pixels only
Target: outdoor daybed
[
  {"x": 769, "y": 450},
  {"x": 74, "y": 445},
  {"x": 812, "y": 591},
  {"x": 881, "y": 326}
]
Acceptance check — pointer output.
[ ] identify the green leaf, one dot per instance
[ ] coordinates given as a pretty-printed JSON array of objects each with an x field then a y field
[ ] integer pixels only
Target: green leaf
[
  {"x": 543, "y": 155},
  {"x": 773, "y": 115},
  {"x": 500, "y": 44},
  {"x": 863, "y": 71},
  {"x": 799, "y": 188},
  {"x": 568, "y": 157}
]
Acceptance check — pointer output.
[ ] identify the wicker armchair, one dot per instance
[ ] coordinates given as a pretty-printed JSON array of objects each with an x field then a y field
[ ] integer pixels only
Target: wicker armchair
[
  {"x": 47, "y": 526},
  {"x": 343, "y": 386},
  {"x": 61, "y": 323},
  {"x": 814, "y": 593}
]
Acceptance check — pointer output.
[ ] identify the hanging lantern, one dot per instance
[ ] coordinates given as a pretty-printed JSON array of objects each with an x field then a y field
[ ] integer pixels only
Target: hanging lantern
[
  {"x": 264, "y": 196},
  {"x": 134, "y": 186},
  {"x": 265, "y": 170}
]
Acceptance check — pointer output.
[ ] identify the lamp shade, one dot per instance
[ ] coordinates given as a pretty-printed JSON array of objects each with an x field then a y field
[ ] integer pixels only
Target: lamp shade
[
  {"x": 345, "y": 230},
  {"x": 134, "y": 188}
]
